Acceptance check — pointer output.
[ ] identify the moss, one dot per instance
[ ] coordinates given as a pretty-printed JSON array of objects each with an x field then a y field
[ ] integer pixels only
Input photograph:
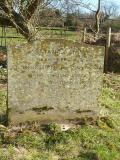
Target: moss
[
  {"x": 83, "y": 111},
  {"x": 30, "y": 75},
  {"x": 41, "y": 109}
]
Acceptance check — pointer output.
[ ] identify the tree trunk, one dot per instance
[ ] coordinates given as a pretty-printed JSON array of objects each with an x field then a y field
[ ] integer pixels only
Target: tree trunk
[
  {"x": 22, "y": 26},
  {"x": 19, "y": 20},
  {"x": 97, "y": 17}
]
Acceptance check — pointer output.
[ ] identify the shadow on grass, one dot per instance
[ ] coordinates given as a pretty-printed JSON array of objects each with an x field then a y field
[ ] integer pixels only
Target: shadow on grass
[
  {"x": 4, "y": 119},
  {"x": 89, "y": 156},
  {"x": 114, "y": 59}
]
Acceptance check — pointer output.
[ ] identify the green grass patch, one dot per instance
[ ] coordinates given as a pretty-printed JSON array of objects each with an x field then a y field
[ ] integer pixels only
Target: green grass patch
[
  {"x": 87, "y": 142},
  {"x": 3, "y": 96},
  {"x": 43, "y": 31}
]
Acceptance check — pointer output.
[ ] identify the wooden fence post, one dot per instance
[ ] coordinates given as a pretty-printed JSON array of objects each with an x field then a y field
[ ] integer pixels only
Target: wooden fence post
[
  {"x": 84, "y": 35},
  {"x": 107, "y": 47}
]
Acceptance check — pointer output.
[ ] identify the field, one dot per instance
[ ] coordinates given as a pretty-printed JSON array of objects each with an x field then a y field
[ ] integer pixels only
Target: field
[
  {"x": 12, "y": 37},
  {"x": 91, "y": 139}
]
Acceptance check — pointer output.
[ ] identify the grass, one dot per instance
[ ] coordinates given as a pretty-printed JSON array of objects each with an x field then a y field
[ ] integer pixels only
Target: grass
[
  {"x": 100, "y": 141},
  {"x": 11, "y": 32},
  {"x": 2, "y": 101},
  {"x": 43, "y": 31},
  {"x": 60, "y": 33},
  {"x": 3, "y": 92},
  {"x": 110, "y": 98}
]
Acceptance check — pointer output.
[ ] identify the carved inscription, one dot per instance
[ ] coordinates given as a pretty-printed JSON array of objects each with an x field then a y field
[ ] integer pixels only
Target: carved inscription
[{"x": 55, "y": 77}]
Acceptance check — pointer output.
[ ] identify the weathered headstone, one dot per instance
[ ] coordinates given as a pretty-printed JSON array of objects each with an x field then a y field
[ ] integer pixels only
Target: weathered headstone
[{"x": 53, "y": 80}]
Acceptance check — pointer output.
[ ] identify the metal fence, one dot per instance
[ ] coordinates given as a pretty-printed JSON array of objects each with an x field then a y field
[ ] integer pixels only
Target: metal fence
[{"x": 8, "y": 35}]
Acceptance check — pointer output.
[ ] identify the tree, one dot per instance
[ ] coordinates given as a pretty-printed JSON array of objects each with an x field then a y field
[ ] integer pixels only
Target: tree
[
  {"x": 72, "y": 5},
  {"x": 48, "y": 17},
  {"x": 18, "y": 14},
  {"x": 97, "y": 17},
  {"x": 109, "y": 10}
]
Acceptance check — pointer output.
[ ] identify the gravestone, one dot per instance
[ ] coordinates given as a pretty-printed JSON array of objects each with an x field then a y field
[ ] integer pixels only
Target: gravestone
[{"x": 54, "y": 81}]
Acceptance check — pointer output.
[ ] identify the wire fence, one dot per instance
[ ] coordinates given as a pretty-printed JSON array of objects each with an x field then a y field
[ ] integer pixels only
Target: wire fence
[{"x": 8, "y": 35}]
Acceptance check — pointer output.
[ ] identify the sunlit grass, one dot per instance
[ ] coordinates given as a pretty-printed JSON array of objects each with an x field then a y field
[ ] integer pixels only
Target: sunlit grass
[{"x": 43, "y": 32}]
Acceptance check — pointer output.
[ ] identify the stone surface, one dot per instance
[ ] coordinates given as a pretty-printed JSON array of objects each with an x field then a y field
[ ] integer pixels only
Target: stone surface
[{"x": 53, "y": 80}]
